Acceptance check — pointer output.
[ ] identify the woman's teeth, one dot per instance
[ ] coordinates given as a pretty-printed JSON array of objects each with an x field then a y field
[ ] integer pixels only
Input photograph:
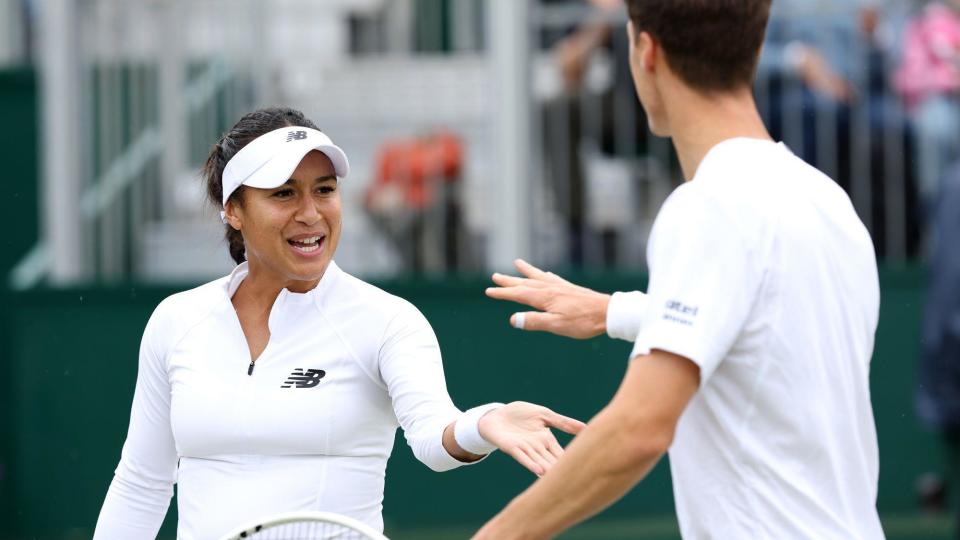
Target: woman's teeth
[{"x": 307, "y": 244}]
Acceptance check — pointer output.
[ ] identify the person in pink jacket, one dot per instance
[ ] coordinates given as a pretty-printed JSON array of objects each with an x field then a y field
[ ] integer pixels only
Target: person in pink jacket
[{"x": 928, "y": 79}]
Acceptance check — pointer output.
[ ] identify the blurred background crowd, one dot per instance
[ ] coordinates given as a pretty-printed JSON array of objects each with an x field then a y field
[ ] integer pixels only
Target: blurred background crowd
[
  {"x": 478, "y": 131},
  {"x": 864, "y": 89}
]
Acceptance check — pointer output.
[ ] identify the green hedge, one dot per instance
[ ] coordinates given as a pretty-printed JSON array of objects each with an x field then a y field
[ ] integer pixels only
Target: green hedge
[{"x": 69, "y": 366}]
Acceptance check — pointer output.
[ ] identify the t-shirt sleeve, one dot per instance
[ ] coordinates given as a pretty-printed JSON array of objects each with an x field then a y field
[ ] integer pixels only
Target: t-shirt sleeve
[
  {"x": 705, "y": 274},
  {"x": 142, "y": 485},
  {"x": 412, "y": 369}
]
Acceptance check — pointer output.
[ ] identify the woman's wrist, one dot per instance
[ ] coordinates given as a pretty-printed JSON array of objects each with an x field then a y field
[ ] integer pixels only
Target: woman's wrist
[{"x": 466, "y": 431}]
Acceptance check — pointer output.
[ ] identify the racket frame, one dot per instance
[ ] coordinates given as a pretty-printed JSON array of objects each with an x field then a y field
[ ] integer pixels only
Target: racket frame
[{"x": 294, "y": 517}]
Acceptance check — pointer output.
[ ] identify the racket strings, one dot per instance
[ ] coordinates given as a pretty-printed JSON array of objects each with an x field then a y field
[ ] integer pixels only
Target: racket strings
[{"x": 307, "y": 531}]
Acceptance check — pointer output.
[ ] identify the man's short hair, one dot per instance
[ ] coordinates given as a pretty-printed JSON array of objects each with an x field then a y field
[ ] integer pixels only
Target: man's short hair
[{"x": 713, "y": 45}]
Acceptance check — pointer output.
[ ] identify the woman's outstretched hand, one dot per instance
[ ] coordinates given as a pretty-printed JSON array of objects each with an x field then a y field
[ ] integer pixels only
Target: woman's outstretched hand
[{"x": 522, "y": 430}]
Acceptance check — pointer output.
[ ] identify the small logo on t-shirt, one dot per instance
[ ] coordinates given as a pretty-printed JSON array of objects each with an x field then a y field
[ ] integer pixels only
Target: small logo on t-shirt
[
  {"x": 301, "y": 378},
  {"x": 679, "y": 312}
]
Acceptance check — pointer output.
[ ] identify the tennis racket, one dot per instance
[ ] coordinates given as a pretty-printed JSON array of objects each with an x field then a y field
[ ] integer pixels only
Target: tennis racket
[{"x": 306, "y": 526}]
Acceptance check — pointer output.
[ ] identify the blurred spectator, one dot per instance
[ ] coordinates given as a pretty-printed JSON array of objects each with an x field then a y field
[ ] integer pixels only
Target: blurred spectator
[
  {"x": 811, "y": 60},
  {"x": 825, "y": 66},
  {"x": 929, "y": 81},
  {"x": 810, "y": 45},
  {"x": 414, "y": 199},
  {"x": 28, "y": 14},
  {"x": 586, "y": 124},
  {"x": 938, "y": 396},
  {"x": 824, "y": 87}
]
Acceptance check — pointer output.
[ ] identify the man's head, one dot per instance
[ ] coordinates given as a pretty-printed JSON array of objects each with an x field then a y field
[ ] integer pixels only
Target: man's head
[{"x": 711, "y": 46}]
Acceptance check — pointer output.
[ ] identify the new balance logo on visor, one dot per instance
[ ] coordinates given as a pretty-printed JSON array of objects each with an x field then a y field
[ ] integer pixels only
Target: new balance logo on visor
[
  {"x": 296, "y": 136},
  {"x": 301, "y": 379}
]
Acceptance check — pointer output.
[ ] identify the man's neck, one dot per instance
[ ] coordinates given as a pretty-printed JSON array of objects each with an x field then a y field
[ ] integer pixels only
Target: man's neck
[{"x": 699, "y": 122}]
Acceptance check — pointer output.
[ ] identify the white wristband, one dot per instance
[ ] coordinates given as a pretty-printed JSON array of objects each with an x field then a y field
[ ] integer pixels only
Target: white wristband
[
  {"x": 466, "y": 431},
  {"x": 625, "y": 314}
]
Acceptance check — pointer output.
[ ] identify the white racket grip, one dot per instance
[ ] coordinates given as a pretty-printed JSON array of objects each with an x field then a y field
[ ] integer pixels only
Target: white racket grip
[{"x": 466, "y": 431}]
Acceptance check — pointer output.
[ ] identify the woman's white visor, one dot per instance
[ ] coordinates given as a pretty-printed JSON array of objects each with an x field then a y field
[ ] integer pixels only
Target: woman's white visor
[{"x": 269, "y": 160}]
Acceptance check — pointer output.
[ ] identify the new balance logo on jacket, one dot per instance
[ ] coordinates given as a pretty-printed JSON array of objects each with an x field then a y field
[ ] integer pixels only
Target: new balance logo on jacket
[{"x": 304, "y": 379}]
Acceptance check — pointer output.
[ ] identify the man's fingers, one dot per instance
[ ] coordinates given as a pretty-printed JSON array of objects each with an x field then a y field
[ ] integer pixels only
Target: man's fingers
[
  {"x": 533, "y": 272},
  {"x": 534, "y": 321},
  {"x": 565, "y": 423},
  {"x": 535, "y": 298},
  {"x": 505, "y": 280},
  {"x": 520, "y": 295},
  {"x": 504, "y": 293},
  {"x": 526, "y": 268},
  {"x": 555, "y": 279}
]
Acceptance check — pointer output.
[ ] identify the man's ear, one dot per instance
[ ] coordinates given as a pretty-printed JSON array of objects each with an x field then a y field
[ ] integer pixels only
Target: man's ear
[
  {"x": 230, "y": 211},
  {"x": 642, "y": 49},
  {"x": 647, "y": 52}
]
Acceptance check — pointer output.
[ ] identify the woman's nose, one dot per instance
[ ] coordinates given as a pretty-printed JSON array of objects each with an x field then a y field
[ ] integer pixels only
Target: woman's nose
[{"x": 307, "y": 212}]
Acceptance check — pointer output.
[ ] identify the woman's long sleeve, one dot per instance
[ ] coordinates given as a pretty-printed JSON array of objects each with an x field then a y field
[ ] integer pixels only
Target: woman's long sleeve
[{"x": 142, "y": 486}]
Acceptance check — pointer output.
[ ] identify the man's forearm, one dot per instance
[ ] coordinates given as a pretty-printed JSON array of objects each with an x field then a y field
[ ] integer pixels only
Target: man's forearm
[
  {"x": 614, "y": 452},
  {"x": 607, "y": 459}
]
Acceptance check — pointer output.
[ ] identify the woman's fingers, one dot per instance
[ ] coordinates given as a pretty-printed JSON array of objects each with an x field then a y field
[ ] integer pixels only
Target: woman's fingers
[
  {"x": 546, "y": 457},
  {"x": 554, "y": 447},
  {"x": 538, "y": 454},
  {"x": 561, "y": 422},
  {"x": 564, "y": 423},
  {"x": 524, "y": 458},
  {"x": 542, "y": 458},
  {"x": 533, "y": 455}
]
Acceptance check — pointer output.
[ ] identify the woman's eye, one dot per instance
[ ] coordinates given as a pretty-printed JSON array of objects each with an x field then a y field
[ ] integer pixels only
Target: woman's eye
[
  {"x": 283, "y": 193},
  {"x": 326, "y": 190}
]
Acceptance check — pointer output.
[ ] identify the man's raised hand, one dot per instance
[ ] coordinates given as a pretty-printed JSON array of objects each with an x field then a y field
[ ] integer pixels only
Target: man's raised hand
[{"x": 562, "y": 308}]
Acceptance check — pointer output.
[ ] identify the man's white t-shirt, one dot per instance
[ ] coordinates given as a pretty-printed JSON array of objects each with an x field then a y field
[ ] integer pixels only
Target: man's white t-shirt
[
  {"x": 310, "y": 428},
  {"x": 762, "y": 274}
]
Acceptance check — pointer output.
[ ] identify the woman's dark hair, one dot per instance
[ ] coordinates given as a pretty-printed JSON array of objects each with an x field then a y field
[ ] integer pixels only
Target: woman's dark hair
[{"x": 251, "y": 126}]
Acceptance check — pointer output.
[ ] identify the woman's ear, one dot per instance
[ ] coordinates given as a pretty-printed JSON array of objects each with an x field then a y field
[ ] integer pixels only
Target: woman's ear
[{"x": 232, "y": 213}]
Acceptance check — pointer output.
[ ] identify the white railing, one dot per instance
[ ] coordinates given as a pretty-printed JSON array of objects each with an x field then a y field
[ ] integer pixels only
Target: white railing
[
  {"x": 13, "y": 33},
  {"x": 605, "y": 175},
  {"x": 565, "y": 177},
  {"x": 112, "y": 167}
]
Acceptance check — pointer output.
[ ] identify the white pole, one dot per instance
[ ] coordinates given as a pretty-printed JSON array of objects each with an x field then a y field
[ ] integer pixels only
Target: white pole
[
  {"x": 61, "y": 144},
  {"x": 173, "y": 122},
  {"x": 259, "y": 63},
  {"x": 509, "y": 216},
  {"x": 11, "y": 33}
]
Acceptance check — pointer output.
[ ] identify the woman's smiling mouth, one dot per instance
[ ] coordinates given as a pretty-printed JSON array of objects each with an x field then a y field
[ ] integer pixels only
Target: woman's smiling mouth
[{"x": 307, "y": 245}]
